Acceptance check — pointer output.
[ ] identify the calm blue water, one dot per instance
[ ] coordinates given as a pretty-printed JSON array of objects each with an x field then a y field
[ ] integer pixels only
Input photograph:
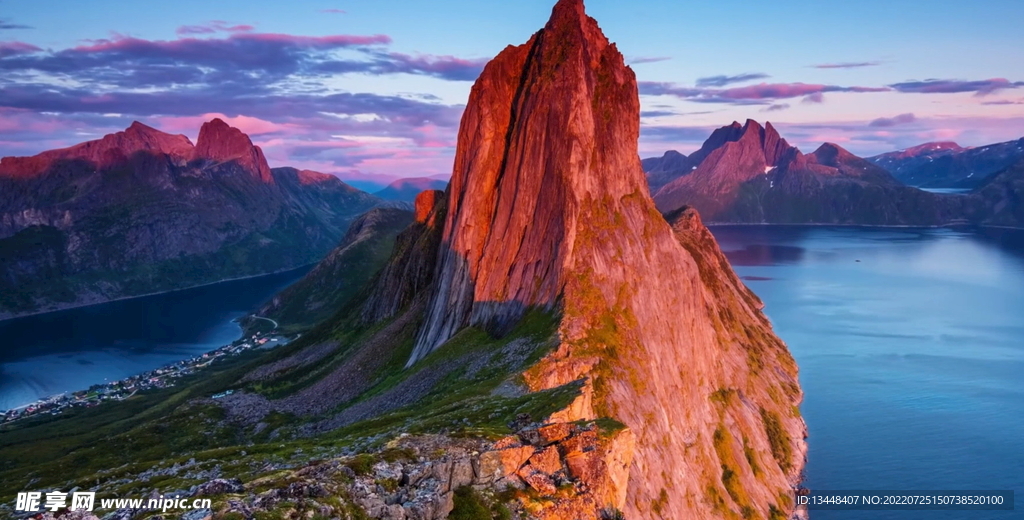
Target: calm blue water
[
  {"x": 71, "y": 350},
  {"x": 911, "y": 349}
]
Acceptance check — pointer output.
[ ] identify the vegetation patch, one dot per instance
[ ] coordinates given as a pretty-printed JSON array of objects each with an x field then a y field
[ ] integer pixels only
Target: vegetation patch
[{"x": 778, "y": 438}]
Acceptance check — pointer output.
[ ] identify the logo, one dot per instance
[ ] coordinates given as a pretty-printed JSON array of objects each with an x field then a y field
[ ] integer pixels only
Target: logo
[{"x": 34, "y": 501}]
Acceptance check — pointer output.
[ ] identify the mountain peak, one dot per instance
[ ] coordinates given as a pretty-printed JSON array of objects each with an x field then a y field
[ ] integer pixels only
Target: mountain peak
[
  {"x": 220, "y": 142},
  {"x": 831, "y": 154},
  {"x": 105, "y": 152},
  {"x": 568, "y": 10},
  {"x": 138, "y": 127},
  {"x": 548, "y": 211}
]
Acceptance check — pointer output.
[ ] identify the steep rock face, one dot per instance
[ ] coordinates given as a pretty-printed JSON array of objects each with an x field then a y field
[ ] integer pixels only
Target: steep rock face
[
  {"x": 949, "y": 165},
  {"x": 750, "y": 174},
  {"x": 219, "y": 142},
  {"x": 410, "y": 271},
  {"x": 548, "y": 208},
  {"x": 136, "y": 212}
]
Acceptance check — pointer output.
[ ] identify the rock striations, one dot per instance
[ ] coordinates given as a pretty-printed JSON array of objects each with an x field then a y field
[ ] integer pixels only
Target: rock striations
[{"x": 548, "y": 208}]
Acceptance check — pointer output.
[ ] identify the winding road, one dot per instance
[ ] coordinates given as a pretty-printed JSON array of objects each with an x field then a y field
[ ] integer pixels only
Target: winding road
[{"x": 268, "y": 319}]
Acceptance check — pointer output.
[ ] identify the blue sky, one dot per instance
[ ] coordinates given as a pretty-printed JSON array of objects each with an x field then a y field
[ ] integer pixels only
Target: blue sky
[{"x": 376, "y": 87}]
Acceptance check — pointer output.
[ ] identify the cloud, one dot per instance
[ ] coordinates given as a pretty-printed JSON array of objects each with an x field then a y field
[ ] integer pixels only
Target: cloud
[
  {"x": 7, "y": 25},
  {"x": 333, "y": 11},
  {"x": 444, "y": 67},
  {"x": 847, "y": 65},
  {"x": 721, "y": 81},
  {"x": 675, "y": 133},
  {"x": 949, "y": 86},
  {"x": 816, "y": 97},
  {"x": 241, "y": 62},
  {"x": 8, "y": 49},
  {"x": 776, "y": 107},
  {"x": 647, "y": 59},
  {"x": 760, "y": 94},
  {"x": 282, "y": 89},
  {"x": 657, "y": 113},
  {"x": 252, "y": 126},
  {"x": 1002, "y": 102},
  {"x": 902, "y": 119},
  {"x": 212, "y": 27}
]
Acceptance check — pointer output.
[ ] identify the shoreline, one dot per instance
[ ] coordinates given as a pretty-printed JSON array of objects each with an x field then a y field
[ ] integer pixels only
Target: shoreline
[
  {"x": 125, "y": 298},
  {"x": 230, "y": 348}
]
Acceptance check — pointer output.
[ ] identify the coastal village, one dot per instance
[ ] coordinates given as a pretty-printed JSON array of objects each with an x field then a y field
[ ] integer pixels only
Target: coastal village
[{"x": 163, "y": 377}]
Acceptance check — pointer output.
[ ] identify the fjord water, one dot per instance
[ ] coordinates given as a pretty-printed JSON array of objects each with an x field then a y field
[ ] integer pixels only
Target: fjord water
[
  {"x": 70, "y": 350},
  {"x": 911, "y": 351}
]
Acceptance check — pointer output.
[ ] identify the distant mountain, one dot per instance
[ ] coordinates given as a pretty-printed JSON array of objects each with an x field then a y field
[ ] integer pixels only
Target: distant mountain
[
  {"x": 142, "y": 211},
  {"x": 368, "y": 182},
  {"x": 663, "y": 170},
  {"x": 948, "y": 165},
  {"x": 750, "y": 174},
  {"x": 1000, "y": 200},
  {"x": 407, "y": 189},
  {"x": 365, "y": 248}
]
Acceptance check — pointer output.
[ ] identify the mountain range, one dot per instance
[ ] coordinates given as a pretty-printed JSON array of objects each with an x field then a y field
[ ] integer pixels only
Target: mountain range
[
  {"x": 143, "y": 211},
  {"x": 406, "y": 189},
  {"x": 749, "y": 174},
  {"x": 948, "y": 165}
]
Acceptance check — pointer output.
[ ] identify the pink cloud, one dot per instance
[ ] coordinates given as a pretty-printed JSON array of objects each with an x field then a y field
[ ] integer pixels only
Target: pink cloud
[
  {"x": 250, "y": 125},
  {"x": 788, "y": 90},
  {"x": 214, "y": 26},
  {"x": 760, "y": 94},
  {"x": 902, "y": 119},
  {"x": 15, "y": 48},
  {"x": 121, "y": 43},
  {"x": 316, "y": 41}
]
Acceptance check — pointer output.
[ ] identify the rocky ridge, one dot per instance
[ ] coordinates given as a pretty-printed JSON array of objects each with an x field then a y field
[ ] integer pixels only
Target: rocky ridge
[
  {"x": 750, "y": 174},
  {"x": 142, "y": 211},
  {"x": 949, "y": 165}
]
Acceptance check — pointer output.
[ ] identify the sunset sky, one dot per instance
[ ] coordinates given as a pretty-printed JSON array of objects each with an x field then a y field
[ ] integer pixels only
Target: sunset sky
[{"x": 378, "y": 87}]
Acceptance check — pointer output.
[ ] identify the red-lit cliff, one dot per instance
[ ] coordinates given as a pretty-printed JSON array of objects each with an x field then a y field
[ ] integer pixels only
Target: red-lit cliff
[{"x": 548, "y": 207}]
